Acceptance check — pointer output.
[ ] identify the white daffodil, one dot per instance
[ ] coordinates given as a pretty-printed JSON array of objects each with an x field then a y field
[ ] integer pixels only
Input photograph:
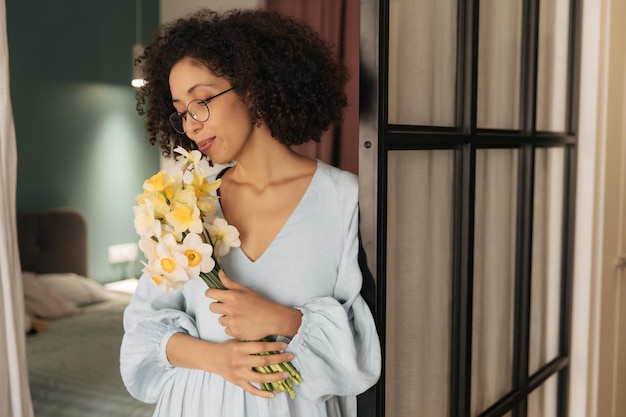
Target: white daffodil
[
  {"x": 148, "y": 245},
  {"x": 203, "y": 187},
  {"x": 170, "y": 263},
  {"x": 182, "y": 219},
  {"x": 157, "y": 182},
  {"x": 223, "y": 236},
  {"x": 192, "y": 164},
  {"x": 185, "y": 197},
  {"x": 161, "y": 205},
  {"x": 167, "y": 229},
  {"x": 207, "y": 207},
  {"x": 145, "y": 222},
  {"x": 198, "y": 254},
  {"x": 173, "y": 186},
  {"x": 192, "y": 157},
  {"x": 205, "y": 168},
  {"x": 156, "y": 277}
]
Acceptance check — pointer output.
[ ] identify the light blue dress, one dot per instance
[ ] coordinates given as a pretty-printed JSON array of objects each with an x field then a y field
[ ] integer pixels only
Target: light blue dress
[{"x": 311, "y": 265}]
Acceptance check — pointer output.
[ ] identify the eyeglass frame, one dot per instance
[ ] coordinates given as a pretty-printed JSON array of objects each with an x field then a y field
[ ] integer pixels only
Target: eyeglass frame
[{"x": 182, "y": 116}]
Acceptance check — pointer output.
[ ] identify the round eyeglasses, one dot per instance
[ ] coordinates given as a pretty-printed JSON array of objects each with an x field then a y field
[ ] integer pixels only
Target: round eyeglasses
[{"x": 197, "y": 109}]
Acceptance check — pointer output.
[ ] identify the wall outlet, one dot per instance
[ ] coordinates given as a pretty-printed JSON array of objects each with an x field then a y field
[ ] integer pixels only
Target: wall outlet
[{"x": 126, "y": 252}]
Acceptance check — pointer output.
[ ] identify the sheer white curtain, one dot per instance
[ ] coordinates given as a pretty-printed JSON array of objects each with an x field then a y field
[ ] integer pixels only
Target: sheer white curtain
[
  {"x": 419, "y": 262},
  {"x": 14, "y": 391},
  {"x": 495, "y": 243},
  {"x": 422, "y": 52}
]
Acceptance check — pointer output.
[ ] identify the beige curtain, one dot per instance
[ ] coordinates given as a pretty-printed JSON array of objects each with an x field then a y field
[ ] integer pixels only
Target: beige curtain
[
  {"x": 422, "y": 51},
  {"x": 419, "y": 261},
  {"x": 14, "y": 391},
  {"x": 495, "y": 244},
  {"x": 499, "y": 57}
]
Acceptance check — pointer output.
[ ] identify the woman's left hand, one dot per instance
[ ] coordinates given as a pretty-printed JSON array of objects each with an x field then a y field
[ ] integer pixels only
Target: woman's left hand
[{"x": 247, "y": 315}]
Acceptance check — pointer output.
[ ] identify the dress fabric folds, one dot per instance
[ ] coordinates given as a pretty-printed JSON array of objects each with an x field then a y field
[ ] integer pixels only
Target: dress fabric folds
[{"x": 312, "y": 265}]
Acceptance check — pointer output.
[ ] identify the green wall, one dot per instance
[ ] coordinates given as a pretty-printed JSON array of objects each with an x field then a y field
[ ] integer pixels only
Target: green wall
[{"x": 80, "y": 141}]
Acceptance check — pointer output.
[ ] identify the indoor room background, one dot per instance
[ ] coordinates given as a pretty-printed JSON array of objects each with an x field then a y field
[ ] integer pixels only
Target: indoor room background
[{"x": 80, "y": 141}]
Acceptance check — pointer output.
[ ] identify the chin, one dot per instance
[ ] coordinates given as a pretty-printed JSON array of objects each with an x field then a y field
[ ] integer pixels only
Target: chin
[{"x": 218, "y": 161}]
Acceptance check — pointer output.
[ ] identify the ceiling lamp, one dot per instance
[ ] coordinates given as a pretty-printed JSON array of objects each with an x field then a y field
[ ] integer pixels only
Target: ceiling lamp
[
  {"x": 138, "y": 80},
  {"x": 138, "y": 77}
]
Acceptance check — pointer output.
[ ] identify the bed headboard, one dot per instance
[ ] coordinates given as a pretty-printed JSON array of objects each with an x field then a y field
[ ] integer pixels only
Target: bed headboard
[{"x": 53, "y": 241}]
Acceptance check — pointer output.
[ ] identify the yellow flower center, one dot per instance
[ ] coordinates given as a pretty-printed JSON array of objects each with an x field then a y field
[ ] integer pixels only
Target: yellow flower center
[
  {"x": 183, "y": 215},
  {"x": 193, "y": 257},
  {"x": 168, "y": 191},
  {"x": 197, "y": 191},
  {"x": 156, "y": 280},
  {"x": 168, "y": 265},
  {"x": 157, "y": 181},
  {"x": 219, "y": 235}
]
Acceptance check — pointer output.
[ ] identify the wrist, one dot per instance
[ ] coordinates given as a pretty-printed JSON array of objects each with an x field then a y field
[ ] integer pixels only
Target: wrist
[
  {"x": 185, "y": 351},
  {"x": 290, "y": 322}
]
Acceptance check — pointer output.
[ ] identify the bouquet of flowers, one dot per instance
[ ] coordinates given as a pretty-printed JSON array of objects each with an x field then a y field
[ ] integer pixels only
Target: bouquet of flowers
[{"x": 183, "y": 239}]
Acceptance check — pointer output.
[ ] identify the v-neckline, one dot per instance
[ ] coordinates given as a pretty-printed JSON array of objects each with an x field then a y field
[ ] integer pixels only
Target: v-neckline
[{"x": 285, "y": 224}]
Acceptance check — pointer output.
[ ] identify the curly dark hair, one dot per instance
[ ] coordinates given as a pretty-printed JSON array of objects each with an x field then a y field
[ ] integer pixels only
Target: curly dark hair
[{"x": 287, "y": 75}]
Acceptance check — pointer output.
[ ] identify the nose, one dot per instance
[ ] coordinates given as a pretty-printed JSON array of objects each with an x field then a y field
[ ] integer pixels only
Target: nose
[{"x": 191, "y": 125}]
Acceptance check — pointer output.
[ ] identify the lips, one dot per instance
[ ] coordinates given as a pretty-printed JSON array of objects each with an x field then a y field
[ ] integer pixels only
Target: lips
[{"x": 205, "y": 145}]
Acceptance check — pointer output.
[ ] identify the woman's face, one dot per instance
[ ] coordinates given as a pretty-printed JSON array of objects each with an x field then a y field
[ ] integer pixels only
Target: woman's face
[{"x": 222, "y": 136}]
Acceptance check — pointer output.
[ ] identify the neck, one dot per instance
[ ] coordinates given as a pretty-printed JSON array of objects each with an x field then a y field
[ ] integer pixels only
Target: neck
[{"x": 265, "y": 160}]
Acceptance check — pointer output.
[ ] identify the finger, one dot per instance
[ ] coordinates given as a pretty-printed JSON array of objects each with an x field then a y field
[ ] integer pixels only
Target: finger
[
  {"x": 218, "y": 308},
  {"x": 272, "y": 346},
  {"x": 215, "y": 294},
  {"x": 268, "y": 360},
  {"x": 221, "y": 320},
  {"x": 259, "y": 392},
  {"x": 255, "y": 348},
  {"x": 228, "y": 283},
  {"x": 265, "y": 375}
]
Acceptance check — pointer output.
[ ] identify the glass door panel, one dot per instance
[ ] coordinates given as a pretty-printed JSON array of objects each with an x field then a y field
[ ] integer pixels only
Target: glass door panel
[
  {"x": 542, "y": 402},
  {"x": 546, "y": 256},
  {"x": 494, "y": 275},
  {"x": 422, "y": 62},
  {"x": 419, "y": 268},
  {"x": 552, "y": 64},
  {"x": 499, "y": 64}
]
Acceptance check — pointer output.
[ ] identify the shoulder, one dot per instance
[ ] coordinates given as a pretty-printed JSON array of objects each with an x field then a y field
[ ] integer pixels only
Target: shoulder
[
  {"x": 338, "y": 185},
  {"x": 341, "y": 180}
]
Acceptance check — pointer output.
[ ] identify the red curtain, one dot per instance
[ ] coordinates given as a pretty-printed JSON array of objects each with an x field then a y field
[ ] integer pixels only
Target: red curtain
[{"x": 338, "y": 22}]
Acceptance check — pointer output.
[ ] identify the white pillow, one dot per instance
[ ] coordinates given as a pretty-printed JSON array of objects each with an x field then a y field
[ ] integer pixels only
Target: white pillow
[
  {"x": 75, "y": 288},
  {"x": 44, "y": 302}
]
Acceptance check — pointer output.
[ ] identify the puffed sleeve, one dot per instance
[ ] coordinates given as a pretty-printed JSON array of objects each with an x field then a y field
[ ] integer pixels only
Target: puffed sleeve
[
  {"x": 337, "y": 349},
  {"x": 150, "y": 319}
]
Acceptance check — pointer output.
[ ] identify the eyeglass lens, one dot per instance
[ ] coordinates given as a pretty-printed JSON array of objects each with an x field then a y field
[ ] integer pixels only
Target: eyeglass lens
[{"x": 197, "y": 109}]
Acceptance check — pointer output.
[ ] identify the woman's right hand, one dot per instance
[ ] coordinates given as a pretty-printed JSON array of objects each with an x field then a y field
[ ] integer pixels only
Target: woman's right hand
[
  {"x": 233, "y": 360},
  {"x": 236, "y": 359}
]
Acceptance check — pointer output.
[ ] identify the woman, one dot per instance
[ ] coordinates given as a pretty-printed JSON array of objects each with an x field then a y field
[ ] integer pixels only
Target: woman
[{"x": 244, "y": 87}]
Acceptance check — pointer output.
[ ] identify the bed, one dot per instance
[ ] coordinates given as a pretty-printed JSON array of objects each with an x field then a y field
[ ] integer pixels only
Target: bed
[{"x": 74, "y": 324}]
